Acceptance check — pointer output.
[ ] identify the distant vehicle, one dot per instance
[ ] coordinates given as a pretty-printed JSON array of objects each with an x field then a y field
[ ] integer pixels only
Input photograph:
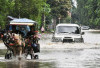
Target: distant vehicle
[
  {"x": 67, "y": 33},
  {"x": 85, "y": 27}
]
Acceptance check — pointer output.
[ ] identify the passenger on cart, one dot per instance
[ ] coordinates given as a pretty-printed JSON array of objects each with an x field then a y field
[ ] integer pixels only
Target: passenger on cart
[{"x": 33, "y": 35}]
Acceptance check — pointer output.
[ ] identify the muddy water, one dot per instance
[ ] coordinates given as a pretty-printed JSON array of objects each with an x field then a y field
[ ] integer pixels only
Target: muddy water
[
  {"x": 92, "y": 36},
  {"x": 62, "y": 55}
]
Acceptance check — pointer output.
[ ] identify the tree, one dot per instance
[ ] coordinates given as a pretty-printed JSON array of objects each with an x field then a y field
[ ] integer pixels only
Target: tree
[
  {"x": 4, "y": 11},
  {"x": 31, "y": 9},
  {"x": 88, "y": 12},
  {"x": 59, "y": 9}
]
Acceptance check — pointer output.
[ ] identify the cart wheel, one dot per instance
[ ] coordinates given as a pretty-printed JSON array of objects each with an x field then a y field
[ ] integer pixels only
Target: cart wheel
[
  {"x": 32, "y": 56},
  {"x": 25, "y": 56},
  {"x": 7, "y": 56},
  {"x": 10, "y": 55},
  {"x": 36, "y": 57}
]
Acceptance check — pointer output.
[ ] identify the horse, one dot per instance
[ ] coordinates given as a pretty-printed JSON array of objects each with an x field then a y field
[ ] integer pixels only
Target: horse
[
  {"x": 14, "y": 44},
  {"x": 18, "y": 48}
]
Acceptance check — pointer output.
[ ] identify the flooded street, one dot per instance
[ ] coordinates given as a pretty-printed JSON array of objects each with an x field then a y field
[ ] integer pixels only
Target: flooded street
[{"x": 61, "y": 55}]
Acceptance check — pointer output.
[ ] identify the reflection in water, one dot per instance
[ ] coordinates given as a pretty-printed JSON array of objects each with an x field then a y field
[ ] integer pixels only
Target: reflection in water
[
  {"x": 15, "y": 65},
  {"x": 32, "y": 65},
  {"x": 29, "y": 64},
  {"x": 2, "y": 65}
]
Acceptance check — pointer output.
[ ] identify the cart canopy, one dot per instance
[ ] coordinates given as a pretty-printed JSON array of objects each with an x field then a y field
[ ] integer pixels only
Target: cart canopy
[{"x": 22, "y": 21}]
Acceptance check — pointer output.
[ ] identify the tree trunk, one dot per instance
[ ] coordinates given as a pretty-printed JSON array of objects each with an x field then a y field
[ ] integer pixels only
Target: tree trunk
[{"x": 54, "y": 23}]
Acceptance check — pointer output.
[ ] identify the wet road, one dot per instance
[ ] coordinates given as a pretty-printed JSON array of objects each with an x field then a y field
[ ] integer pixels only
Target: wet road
[{"x": 62, "y": 55}]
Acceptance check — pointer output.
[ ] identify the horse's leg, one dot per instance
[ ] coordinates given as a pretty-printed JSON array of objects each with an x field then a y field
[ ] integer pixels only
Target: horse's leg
[
  {"x": 26, "y": 53},
  {"x": 20, "y": 50},
  {"x": 23, "y": 50},
  {"x": 14, "y": 51},
  {"x": 32, "y": 53}
]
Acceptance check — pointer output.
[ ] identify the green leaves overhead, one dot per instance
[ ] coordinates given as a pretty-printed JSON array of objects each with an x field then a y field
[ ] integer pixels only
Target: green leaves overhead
[
  {"x": 59, "y": 8},
  {"x": 4, "y": 4},
  {"x": 88, "y": 12},
  {"x": 31, "y": 9}
]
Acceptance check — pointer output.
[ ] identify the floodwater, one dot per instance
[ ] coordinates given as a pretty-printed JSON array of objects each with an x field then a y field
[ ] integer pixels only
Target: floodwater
[{"x": 61, "y": 55}]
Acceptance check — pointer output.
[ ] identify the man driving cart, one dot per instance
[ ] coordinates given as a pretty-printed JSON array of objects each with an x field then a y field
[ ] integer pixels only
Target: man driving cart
[{"x": 32, "y": 42}]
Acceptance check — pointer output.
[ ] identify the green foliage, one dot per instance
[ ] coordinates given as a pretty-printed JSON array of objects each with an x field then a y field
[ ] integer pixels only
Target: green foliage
[
  {"x": 88, "y": 12},
  {"x": 59, "y": 8},
  {"x": 3, "y": 12},
  {"x": 31, "y": 9}
]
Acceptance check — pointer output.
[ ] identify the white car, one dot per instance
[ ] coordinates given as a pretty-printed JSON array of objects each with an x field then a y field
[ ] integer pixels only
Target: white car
[
  {"x": 85, "y": 27},
  {"x": 67, "y": 33}
]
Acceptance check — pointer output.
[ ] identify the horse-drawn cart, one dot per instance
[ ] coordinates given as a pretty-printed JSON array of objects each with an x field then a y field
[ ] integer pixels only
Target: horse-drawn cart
[{"x": 21, "y": 38}]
